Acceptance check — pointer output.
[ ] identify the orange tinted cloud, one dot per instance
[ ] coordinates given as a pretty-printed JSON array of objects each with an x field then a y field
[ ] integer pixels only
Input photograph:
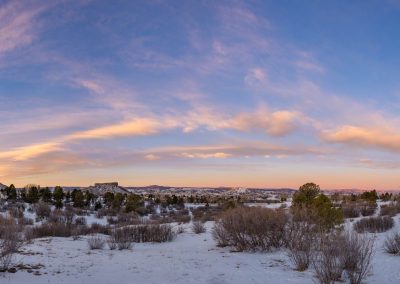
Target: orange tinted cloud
[
  {"x": 31, "y": 151},
  {"x": 136, "y": 127},
  {"x": 364, "y": 137}
]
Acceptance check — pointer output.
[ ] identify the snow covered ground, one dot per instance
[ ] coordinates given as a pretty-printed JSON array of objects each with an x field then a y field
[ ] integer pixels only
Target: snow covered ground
[{"x": 189, "y": 258}]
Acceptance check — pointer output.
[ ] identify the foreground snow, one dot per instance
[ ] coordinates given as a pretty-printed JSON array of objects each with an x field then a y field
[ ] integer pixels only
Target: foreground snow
[{"x": 189, "y": 258}]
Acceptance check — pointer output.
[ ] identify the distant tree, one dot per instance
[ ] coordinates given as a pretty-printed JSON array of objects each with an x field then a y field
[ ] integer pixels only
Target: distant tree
[
  {"x": 45, "y": 194},
  {"x": 118, "y": 200},
  {"x": 22, "y": 194},
  {"x": 11, "y": 192},
  {"x": 79, "y": 200},
  {"x": 68, "y": 197},
  {"x": 58, "y": 196},
  {"x": 73, "y": 194},
  {"x": 108, "y": 198},
  {"x": 306, "y": 194},
  {"x": 97, "y": 205},
  {"x": 133, "y": 202},
  {"x": 89, "y": 197},
  {"x": 371, "y": 196},
  {"x": 386, "y": 196},
  {"x": 32, "y": 195}
]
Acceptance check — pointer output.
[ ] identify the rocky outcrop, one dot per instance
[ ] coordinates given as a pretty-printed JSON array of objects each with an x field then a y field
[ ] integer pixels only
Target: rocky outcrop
[{"x": 102, "y": 188}]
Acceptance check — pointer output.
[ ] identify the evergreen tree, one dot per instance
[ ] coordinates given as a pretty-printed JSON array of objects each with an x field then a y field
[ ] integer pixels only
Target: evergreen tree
[
  {"x": 118, "y": 200},
  {"x": 79, "y": 200},
  {"x": 58, "y": 196},
  {"x": 32, "y": 195},
  {"x": 45, "y": 194},
  {"x": 11, "y": 192},
  {"x": 108, "y": 198}
]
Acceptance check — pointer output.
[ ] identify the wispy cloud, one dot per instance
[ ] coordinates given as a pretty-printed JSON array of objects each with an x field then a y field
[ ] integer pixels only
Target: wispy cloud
[{"x": 19, "y": 25}]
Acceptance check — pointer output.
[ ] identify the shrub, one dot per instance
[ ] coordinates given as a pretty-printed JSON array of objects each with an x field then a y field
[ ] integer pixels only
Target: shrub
[
  {"x": 42, "y": 210},
  {"x": 356, "y": 256},
  {"x": 368, "y": 209},
  {"x": 327, "y": 259},
  {"x": 121, "y": 239},
  {"x": 221, "y": 235},
  {"x": 198, "y": 227},
  {"x": 392, "y": 244},
  {"x": 252, "y": 228},
  {"x": 96, "y": 242},
  {"x": 16, "y": 212},
  {"x": 157, "y": 233},
  {"x": 80, "y": 221},
  {"x": 51, "y": 229},
  {"x": 374, "y": 224},
  {"x": 343, "y": 252},
  {"x": 390, "y": 209},
  {"x": 180, "y": 230},
  {"x": 10, "y": 242},
  {"x": 97, "y": 228},
  {"x": 350, "y": 210},
  {"x": 301, "y": 237}
]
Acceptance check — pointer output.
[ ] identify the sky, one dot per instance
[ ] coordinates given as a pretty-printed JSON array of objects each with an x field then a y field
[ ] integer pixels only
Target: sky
[{"x": 200, "y": 93}]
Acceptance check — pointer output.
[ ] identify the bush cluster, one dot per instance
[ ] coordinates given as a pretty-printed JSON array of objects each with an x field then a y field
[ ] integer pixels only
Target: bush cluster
[
  {"x": 251, "y": 229},
  {"x": 374, "y": 224}
]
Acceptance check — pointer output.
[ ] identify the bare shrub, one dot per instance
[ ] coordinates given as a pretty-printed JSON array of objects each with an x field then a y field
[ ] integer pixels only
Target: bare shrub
[
  {"x": 356, "y": 256},
  {"x": 120, "y": 238},
  {"x": 301, "y": 238},
  {"x": 327, "y": 259},
  {"x": 198, "y": 227},
  {"x": 340, "y": 252},
  {"x": 80, "y": 221},
  {"x": 97, "y": 228},
  {"x": 368, "y": 209},
  {"x": 42, "y": 210},
  {"x": 180, "y": 230},
  {"x": 182, "y": 216},
  {"x": 96, "y": 242},
  {"x": 51, "y": 229},
  {"x": 374, "y": 224},
  {"x": 392, "y": 244},
  {"x": 25, "y": 221},
  {"x": 124, "y": 219},
  {"x": 205, "y": 214},
  {"x": 350, "y": 210},
  {"x": 16, "y": 212},
  {"x": 391, "y": 209},
  {"x": 157, "y": 233},
  {"x": 252, "y": 228},
  {"x": 10, "y": 242},
  {"x": 221, "y": 235}
]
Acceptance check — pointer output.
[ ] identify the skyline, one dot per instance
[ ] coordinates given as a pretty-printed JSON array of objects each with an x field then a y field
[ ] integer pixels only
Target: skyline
[{"x": 200, "y": 93}]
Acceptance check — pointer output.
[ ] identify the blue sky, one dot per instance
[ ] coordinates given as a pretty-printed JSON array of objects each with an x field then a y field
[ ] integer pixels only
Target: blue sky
[{"x": 200, "y": 93}]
